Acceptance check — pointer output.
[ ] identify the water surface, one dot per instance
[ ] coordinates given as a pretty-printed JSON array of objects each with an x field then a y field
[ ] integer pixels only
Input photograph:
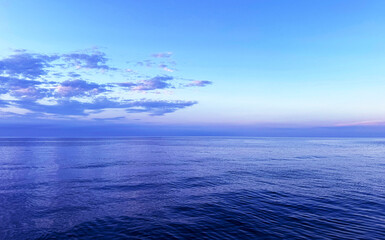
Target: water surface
[{"x": 192, "y": 188}]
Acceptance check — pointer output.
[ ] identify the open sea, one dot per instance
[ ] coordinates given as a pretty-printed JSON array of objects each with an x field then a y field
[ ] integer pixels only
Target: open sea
[{"x": 192, "y": 188}]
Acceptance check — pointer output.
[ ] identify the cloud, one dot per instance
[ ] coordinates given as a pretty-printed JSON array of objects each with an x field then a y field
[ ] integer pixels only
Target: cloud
[
  {"x": 162, "y": 55},
  {"x": 146, "y": 63},
  {"x": 127, "y": 84},
  {"x": 71, "y": 88},
  {"x": 33, "y": 84},
  {"x": 11, "y": 82},
  {"x": 159, "y": 60},
  {"x": 159, "y": 108},
  {"x": 30, "y": 93},
  {"x": 158, "y": 82},
  {"x": 4, "y": 103},
  {"x": 75, "y": 107},
  {"x": 74, "y": 75},
  {"x": 22, "y": 89},
  {"x": 109, "y": 119},
  {"x": 94, "y": 60},
  {"x": 198, "y": 83},
  {"x": 26, "y": 65},
  {"x": 165, "y": 67}
]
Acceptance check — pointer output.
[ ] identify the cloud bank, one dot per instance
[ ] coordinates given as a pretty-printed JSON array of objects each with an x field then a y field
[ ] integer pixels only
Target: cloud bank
[{"x": 79, "y": 83}]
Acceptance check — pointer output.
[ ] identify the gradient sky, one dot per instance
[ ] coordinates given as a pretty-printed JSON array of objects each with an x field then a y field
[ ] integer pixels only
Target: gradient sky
[{"x": 277, "y": 64}]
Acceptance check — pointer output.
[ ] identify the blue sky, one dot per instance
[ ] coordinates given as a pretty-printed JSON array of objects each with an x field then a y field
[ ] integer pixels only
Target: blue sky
[{"x": 250, "y": 64}]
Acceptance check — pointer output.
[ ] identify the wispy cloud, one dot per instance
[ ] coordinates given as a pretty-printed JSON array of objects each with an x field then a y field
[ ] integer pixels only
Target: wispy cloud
[
  {"x": 162, "y": 55},
  {"x": 158, "y": 108},
  {"x": 158, "y": 82},
  {"x": 163, "y": 61},
  {"x": 362, "y": 123},
  {"x": 198, "y": 83},
  {"x": 75, "y": 107}
]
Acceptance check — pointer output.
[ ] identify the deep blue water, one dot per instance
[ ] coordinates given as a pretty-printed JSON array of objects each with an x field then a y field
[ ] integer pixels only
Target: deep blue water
[{"x": 192, "y": 188}]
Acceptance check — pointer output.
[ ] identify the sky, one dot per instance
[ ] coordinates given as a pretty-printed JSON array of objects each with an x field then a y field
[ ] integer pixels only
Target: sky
[{"x": 258, "y": 67}]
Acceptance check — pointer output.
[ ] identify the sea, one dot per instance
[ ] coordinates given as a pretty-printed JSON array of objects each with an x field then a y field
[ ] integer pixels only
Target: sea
[{"x": 192, "y": 188}]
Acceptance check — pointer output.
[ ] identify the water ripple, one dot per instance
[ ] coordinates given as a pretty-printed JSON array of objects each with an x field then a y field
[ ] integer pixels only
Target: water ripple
[{"x": 192, "y": 188}]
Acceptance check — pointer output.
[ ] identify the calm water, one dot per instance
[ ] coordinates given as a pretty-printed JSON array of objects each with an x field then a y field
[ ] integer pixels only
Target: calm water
[{"x": 192, "y": 188}]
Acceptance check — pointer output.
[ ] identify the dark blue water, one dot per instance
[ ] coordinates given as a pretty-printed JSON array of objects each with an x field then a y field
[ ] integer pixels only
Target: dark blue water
[{"x": 192, "y": 188}]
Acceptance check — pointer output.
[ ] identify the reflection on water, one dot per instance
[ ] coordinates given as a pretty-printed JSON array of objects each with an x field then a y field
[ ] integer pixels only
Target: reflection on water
[{"x": 192, "y": 187}]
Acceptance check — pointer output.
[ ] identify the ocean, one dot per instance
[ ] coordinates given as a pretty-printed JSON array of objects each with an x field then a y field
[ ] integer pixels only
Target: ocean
[{"x": 192, "y": 188}]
